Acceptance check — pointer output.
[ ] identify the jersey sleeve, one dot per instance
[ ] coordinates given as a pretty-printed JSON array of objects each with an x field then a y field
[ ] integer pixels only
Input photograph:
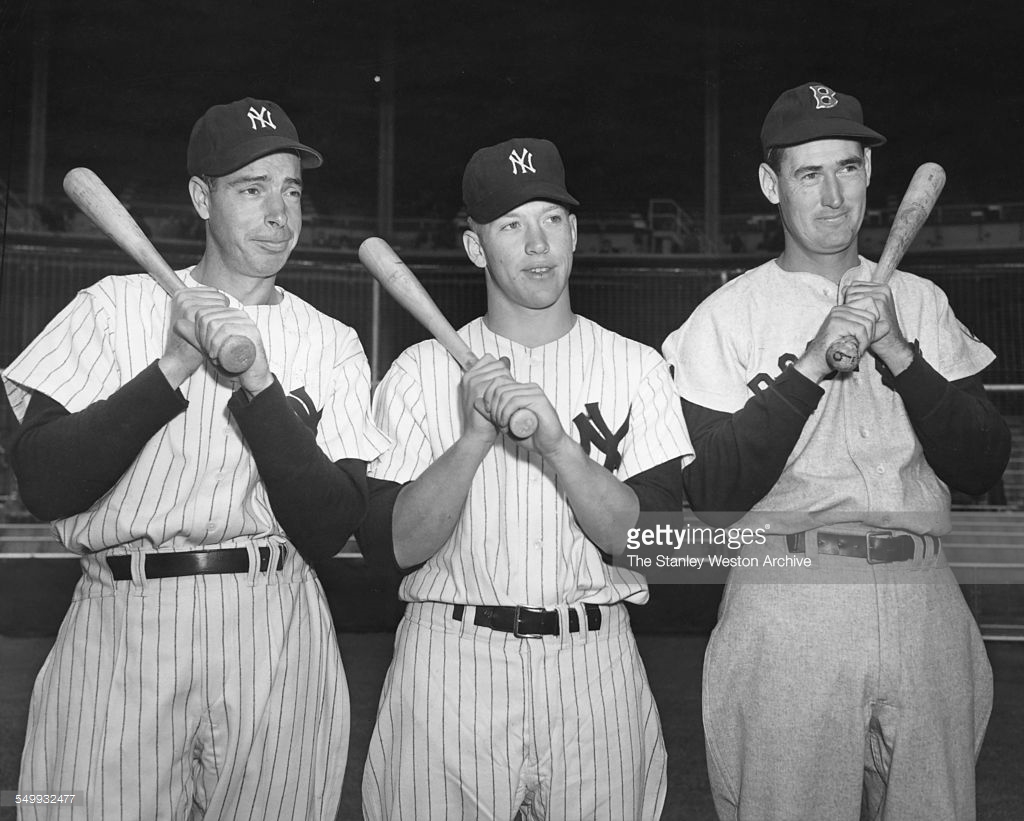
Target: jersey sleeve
[
  {"x": 706, "y": 362},
  {"x": 347, "y": 429},
  {"x": 657, "y": 430},
  {"x": 959, "y": 352},
  {"x": 72, "y": 361},
  {"x": 399, "y": 411}
]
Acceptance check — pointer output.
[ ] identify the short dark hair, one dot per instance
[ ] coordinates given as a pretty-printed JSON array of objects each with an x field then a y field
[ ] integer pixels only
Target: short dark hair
[{"x": 773, "y": 157}]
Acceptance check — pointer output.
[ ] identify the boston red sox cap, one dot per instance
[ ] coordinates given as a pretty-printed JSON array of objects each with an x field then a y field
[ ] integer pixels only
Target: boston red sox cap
[
  {"x": 500, "y": 177},
  {"x": 229, "y": 136},
  {"x": 813, "y": 111}
]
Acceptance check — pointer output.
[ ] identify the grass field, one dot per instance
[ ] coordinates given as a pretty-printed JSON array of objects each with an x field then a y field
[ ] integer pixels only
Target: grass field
[{"x": 674, "y": 667}]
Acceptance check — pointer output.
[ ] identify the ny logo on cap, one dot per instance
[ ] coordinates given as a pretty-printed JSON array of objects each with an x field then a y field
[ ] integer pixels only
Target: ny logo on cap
[
  {"x": 824, "y": 97},
  {"x": 262, "y": 117},
  {"x": 522, "y": 162}
]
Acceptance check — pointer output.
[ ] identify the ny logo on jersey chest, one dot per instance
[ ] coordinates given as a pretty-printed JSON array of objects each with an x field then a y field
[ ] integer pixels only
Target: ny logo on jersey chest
[
  {"x": 304, "y": 407},
  {"x": 594, "y": 431}
]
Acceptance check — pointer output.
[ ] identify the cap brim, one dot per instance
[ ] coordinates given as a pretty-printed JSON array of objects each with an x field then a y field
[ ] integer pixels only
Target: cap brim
[
  {"x": 827, "y": 128},
  {"x": 528, "y": 193},
  {"x": 244, "y": 154}
]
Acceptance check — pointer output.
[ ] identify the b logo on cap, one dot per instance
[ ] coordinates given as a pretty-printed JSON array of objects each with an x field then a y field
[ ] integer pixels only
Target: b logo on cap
[
  {"x": 522, "y": 162},
  {"x": 262, "y": 117},
  {"x": 824, "y": 97}
]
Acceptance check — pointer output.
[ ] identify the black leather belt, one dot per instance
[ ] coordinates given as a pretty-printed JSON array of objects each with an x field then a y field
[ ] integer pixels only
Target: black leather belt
[
  {"x": 195, "y": 563},
  {"x": 528, "y": 622},
  {"x": 877, "y": 546}
]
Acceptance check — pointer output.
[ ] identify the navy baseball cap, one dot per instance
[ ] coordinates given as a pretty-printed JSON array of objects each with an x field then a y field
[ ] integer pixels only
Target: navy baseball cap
[
  {"x": 232, "y": 135},
  {"x": 500, "y": 177},
  {"x": 813, "y": 111}
]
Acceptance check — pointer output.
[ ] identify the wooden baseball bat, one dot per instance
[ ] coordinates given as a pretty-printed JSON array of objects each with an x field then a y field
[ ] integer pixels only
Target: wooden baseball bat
[
  {"x": 99, "y": 204},
  {"x": 388, "y": 269},
  {"x": 918, "y": 202}
]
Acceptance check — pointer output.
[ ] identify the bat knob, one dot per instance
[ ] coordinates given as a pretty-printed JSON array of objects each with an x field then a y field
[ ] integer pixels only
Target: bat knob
[
  {"x": 522, "y": 424},
  {"x": 237, "y": 355},
  {"x": 843, "y": 355}
]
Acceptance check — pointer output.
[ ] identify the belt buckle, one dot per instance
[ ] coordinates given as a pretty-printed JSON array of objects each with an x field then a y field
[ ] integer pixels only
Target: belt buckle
[
  {"x": 875, "y": 534},
  {"x": 517, "y": 618}
]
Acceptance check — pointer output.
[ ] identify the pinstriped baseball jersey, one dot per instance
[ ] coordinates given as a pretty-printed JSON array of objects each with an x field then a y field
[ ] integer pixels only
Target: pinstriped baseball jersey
[
  {"x": 743, "y": 335},
  {"x": 222, "y": 694},
  {"x": 517, "y": 542},
  {"x": 194, "y": 484}
]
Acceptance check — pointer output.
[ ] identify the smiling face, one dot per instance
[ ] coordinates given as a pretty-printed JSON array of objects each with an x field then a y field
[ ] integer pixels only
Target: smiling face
[
  {"x": 253, "y": 217},
  {"x": 821, "y": 190},
  {"x": 527, "y": 254}
]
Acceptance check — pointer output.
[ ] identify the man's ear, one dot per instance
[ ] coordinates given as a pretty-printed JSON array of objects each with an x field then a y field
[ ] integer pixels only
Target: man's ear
[
  {"x": 474, "y": 248},
  {"x": 199, "y": 192},
  {"x": 769, "y": 183},
  {"x": 867, "y": 165},
  {"x": 572, "y": 226}
]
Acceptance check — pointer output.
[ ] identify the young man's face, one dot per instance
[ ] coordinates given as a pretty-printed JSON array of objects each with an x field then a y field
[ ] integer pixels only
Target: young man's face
[
  {"x": 821, "y": 190},
  {"x": 254, "y": 214},
  {"x": 527, "y": 253}
]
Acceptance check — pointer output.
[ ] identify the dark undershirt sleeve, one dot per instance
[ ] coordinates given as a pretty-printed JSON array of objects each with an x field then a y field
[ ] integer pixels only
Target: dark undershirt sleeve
[
  {"x": 319, "y": 503},
  {"x": 65, "y": 462},
  {"x": 740, "y": 456},
  {"x": 965, "y": 439},
  {"x": 659, "y": 488},
  {"x": 376, "y": 535}
]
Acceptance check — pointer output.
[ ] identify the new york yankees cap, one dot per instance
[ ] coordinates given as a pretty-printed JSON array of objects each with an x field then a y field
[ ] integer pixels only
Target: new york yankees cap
[
  {"x": 500, "y": 177},
  {"x": 814, "y": 111},
  {"x": 232, "y": 135}
]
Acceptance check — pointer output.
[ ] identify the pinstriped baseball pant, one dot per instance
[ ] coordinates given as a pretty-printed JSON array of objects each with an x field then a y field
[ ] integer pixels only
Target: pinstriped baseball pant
[
  {"x": 217, "y": 696},
  {"x": 475, "y": 724},
  {"x": 864, "y": 695}
]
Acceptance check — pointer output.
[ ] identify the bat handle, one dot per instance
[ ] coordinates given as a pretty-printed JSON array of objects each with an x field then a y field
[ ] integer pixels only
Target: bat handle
[{"x": 522, "y": 423}]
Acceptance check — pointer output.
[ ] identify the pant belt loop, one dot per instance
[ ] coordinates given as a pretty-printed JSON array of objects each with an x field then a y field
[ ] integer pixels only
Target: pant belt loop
[
  {"x": 276, "y": 555},
  {"x": 252, "y": 575},
  {"x": 139, "y": 578},
  {"x": 810, "y": 538},
  {"x": 581, "y": 610},
  {"x": 564, "y": 625}
]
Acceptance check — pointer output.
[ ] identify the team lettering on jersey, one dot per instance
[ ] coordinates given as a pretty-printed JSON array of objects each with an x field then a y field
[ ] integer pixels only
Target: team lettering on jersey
[
  {"x": 763, "y": 381},
  {"x": 594, "y": 431}
]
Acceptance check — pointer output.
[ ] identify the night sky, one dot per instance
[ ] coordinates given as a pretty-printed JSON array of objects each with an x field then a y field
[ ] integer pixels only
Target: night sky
[{"x": 618, "y": 86}]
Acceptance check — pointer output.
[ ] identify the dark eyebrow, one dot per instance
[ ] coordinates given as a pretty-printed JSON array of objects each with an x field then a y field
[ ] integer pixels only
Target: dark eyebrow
[
  {"x": 263, "y": 178},
  {"x": 851, "y": 160},
  {"x": 248, "y": 180}
]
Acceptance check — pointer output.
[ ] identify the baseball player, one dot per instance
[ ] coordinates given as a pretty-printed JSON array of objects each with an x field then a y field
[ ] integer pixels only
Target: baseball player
[
  {"x": 197, "y": 671},
  {"x": 859, "y": 688},
  {"x": 516, "y": 685}
]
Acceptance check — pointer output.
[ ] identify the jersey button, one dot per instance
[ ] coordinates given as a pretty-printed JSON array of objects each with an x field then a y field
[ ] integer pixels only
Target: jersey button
[
  {"x": 880, "y": 469},
  {"x": 864, "y": 433}
]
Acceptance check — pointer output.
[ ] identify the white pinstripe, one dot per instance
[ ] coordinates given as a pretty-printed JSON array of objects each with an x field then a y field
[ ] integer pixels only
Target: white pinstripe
[
  {"x": 152, "y": 697},
  {"x": 475, "y": 723}
]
